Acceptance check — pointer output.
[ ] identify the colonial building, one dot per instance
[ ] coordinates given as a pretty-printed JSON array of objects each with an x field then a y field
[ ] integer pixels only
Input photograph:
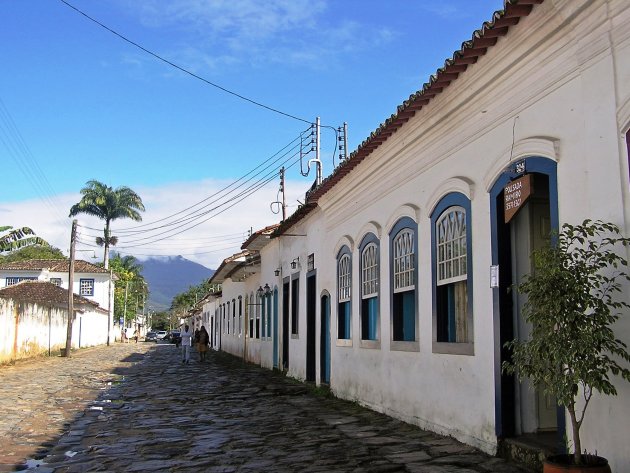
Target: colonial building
[
  {"x": 34, "y": 320},
  {"x": 393, "y": 282},
  {"x": 90, "y": 281}
]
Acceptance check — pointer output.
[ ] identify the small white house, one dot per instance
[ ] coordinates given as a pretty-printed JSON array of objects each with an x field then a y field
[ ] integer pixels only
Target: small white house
[{"x": 34, "y": 320}]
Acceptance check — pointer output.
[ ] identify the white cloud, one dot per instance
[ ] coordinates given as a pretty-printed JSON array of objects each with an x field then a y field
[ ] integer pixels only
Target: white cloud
[
  {"x": 208, "y": 243},
  {"x": 212, "y": 34}
]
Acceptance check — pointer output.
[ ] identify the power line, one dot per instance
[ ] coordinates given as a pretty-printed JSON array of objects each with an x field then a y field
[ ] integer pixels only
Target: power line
[
  {"x": 16, "y": 146},
  {"x": 186, "y": 71},
  {"x": 265, "y": 165}
]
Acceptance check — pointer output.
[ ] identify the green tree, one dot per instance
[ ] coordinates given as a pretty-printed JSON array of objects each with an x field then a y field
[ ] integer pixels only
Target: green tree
[
  {"x": 574, "y": 297},
  {"x": 12, "y": 239},
  {"x": 33, "y": 252},
  {"x": 108, "y": 204},
  {"x": 131, "y": 289}
]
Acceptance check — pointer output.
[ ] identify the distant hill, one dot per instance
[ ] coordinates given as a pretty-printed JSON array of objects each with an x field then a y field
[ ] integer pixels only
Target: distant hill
[{"x": 168, "y": 276}]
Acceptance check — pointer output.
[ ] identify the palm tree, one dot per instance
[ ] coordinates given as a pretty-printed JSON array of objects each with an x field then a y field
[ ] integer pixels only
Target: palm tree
[
  {"x": 12, "y": 239},
  {"x": 108, "y": 204}
]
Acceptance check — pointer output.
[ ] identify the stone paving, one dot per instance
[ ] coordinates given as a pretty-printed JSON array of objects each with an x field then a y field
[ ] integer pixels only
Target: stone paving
[{"x": 136, "y": 408}]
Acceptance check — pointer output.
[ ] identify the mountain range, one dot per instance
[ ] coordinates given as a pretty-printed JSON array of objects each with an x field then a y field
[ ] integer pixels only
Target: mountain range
[{"x": 168, "y": 276}]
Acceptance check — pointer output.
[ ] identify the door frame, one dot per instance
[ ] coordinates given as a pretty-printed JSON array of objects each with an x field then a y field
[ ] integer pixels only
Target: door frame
[
  {"x": 504, "y": 385},
  {"x": 286, "y": 315},
  {"x": 311, "y": 325},
  {"x": 324, "y": 338},
  {"x": 275, "y": 328}
]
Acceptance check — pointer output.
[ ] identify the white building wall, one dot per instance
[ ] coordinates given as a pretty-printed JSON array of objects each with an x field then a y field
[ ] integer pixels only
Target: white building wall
[
  {"x": 557, "y": 87},
  {"x": 29, "y": 329}
]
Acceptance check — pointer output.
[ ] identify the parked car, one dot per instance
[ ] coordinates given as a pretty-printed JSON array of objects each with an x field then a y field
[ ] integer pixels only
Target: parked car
[
  {"x": 174, "y": 336},
  {"x": 160, "y": 334},
  {"x": 150, "y": 337}
]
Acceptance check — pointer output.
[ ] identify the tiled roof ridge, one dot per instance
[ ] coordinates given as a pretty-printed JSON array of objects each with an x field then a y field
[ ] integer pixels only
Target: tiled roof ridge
[
  {"x": 268, "y": 230},
  {"x": 9, "y": 291},
  {"x": 56, "y": 265},
  {"x": 470, "y": 51}
]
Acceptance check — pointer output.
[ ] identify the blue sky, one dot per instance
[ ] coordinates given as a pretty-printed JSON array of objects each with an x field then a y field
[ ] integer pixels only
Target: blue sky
[{"x": 79, "y": 103}]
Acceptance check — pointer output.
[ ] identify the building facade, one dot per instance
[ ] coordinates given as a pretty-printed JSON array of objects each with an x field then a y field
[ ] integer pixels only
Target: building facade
[{"x": 393, "y": 283}]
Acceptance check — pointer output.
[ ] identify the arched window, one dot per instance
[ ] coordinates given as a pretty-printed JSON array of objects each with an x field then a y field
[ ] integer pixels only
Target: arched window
[
  {"x": 234, "y": 316},
  {"x": 452, "y": 270},
  {"x": 251, "y": 316},
  {"x": 240, "y": 315},
  {"x": 369, "y": 287},
  {"x": 344, "y": 292},
  {"x": 268, "y": 320},
  {"x": 227, "y": 314},
  {"x": 403, "y": 243},
  {"x": 258, "y": 305}
]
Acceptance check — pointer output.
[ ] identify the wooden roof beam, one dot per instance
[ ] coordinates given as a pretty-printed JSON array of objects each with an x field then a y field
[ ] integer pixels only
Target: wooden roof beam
[
  {"x": 517, "y": 10},
  {"x": 503, "y": 21},
  {"x": 495, "y": 32},
  {"x": 484, "y": 42}
]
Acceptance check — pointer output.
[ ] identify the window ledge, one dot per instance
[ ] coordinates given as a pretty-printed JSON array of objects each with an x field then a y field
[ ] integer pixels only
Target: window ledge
[
  {"x": 447, "y": 348},
  {"x": 344, "y": 342},
  {"x": 396, "y": 345},
  {"x": 371, "y": 344}
]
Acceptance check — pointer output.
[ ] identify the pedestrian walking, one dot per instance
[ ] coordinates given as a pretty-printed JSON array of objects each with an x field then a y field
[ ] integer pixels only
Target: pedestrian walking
[
  {"x": 196, "y": 339},
  {"x": 202, "y": 344},
  {"x": 186, "y": 343},
  {"x": 136, "y": 335}
]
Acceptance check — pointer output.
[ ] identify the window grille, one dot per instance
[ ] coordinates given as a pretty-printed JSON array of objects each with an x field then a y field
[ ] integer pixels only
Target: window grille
[
  {"x": 451, "y": 246},
  {"x": 345, "y": 278},
  {"x": 369, "y": 271},
  {"x": 404, "y": 253},
  {"x": 86, "y": 287}
]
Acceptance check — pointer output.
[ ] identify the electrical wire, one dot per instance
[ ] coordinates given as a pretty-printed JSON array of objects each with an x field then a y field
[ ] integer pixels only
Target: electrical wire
[
  {"x": 233, "y": 201},
  {"x": 182, "y": 69},
  {"x": 17, "y": 148},
  {"x": 198, "y": 214},
  {"x": 141, "y": 228}
]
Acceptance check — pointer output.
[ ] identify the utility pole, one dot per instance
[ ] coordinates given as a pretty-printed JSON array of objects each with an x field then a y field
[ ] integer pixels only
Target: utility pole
[
  {"x": 125, "y": 306},
  {"x": 73, "y": 237},
  {"x": 318, "y": 179},
  {"x": 284, "y": 198},
  {"x": 343, "y": 148},
  {"x": 110, "y": 315}
]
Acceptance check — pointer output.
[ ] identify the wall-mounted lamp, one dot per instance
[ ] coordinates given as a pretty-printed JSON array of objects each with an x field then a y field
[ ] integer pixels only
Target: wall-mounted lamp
[
  {"x": 277, "y": 271},
  {"x": 260, "y": 292},
  {"x": 295, "y": 263}
]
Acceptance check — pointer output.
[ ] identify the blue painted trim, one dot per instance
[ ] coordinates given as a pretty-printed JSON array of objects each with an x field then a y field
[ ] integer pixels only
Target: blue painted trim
[
  {"x": 454, "y": 199},
  {"x": 275, "y": 327},
  {"x": 344, "y": 250},
  {"x": 539, "y": 165},
  {"x": 401, "y": 224},
  {"x": 81, "y": 293},
  {"x": 374, "y": 316}
]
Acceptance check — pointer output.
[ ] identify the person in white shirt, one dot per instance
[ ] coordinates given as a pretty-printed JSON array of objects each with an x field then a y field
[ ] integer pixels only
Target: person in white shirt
[{"x": 186, "y": 343}]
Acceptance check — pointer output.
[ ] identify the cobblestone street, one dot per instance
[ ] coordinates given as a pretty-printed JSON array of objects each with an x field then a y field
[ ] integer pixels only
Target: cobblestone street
[{"x": 136, "y": 408}]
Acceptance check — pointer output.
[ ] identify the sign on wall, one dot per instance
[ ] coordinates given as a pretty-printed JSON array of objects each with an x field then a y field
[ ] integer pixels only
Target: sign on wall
[{"x": 515, "y": 194}]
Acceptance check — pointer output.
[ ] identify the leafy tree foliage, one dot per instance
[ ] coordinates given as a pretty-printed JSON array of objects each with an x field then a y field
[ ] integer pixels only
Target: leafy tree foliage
[
  {"x": 12, "y": 239},
  {"x": 186, "y": 300},
  {"x": 131, "y": 289},
  {"x": 574, "y": 297},
  {"x": 108, "y": 204},
  {"x": 32, "y": 252}
]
